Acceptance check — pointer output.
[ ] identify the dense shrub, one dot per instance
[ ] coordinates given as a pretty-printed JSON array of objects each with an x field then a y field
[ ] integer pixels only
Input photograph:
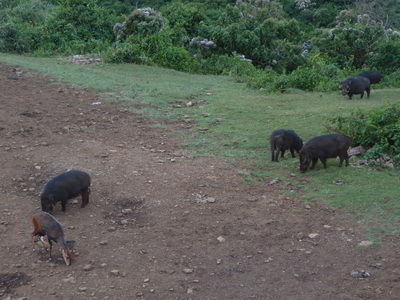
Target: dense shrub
[
  {"x": 20, "y": 25},
  {"x": 378, "y": 129},
  {"x": 77, "y": 27}
]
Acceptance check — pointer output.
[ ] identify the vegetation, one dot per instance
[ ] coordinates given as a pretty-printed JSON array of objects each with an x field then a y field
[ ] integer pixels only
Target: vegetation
[{"x": 272, "y": 45}]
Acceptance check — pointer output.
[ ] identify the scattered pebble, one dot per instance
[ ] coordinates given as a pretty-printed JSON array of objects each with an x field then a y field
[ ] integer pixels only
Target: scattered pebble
[
  {"x": 221, "y": 239},
  {"x": 365, "y": 243},
  {"x": 187, "y": 271},
  {"x": 88, "y": 267},
  {"x": 360, "y": 274}
]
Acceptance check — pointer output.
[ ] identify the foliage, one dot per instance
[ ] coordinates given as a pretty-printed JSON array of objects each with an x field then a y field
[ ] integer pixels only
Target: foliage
[
  {"x": 306, "y": 44},
  {"x": 143, "y": 21},
  {"x": 378, "y": 129},
  {"x": 20, "y": 25},
  {"x": 387, "y": 56},
  {"x": 77, "y": 27}
]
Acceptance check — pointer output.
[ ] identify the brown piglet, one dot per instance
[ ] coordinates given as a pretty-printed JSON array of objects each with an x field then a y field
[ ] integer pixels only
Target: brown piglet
[{"x": 46, "y": 224}]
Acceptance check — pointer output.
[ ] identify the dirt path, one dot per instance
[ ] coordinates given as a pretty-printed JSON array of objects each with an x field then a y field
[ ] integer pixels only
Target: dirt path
[{"x": 160, "y": 225}]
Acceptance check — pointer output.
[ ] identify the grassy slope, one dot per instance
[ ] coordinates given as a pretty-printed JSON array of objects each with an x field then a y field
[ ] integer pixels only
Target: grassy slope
[{"x": 239, "y": 122}]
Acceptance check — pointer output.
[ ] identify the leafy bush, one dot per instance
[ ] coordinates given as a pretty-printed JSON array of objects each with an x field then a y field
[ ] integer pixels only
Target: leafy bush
[
  {"x": 143, "y": 21},
  {"x": 387, "y": 56},
  {"x": 379, "y": 129},
  {"x": 20, "y": 25},
  {"x": 77, "y": 27}
]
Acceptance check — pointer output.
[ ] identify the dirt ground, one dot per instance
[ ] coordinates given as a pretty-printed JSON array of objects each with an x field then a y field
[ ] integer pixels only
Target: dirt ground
[{"x": 161, "y": 225}]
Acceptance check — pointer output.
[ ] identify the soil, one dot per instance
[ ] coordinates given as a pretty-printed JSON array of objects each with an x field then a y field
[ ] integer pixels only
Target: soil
[{"x": 159, "y": 224}]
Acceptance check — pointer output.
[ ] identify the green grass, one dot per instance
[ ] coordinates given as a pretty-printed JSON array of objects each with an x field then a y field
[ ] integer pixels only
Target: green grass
[{"x": 234, "y": 123}]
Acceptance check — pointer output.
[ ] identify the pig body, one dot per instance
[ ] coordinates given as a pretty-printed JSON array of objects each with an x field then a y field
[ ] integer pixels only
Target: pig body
[
  {"x": 283, "y": 139},
  {"x": 373, "y": 76},
  {"x": 323, "y": 147},
  {"x": 355, "y": 86},
  {"x": 65, "y": 186}
]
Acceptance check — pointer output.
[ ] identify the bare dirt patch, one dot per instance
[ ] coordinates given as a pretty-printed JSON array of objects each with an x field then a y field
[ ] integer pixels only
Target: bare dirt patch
[{"x": 160, "y": 225}]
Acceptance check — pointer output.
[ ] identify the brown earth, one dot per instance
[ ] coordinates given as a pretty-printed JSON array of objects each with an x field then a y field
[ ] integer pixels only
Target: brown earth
[{"x": 161, "y": 225}]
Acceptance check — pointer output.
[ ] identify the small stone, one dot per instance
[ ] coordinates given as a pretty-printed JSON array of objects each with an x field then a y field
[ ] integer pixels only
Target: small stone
[
  {"x": 114, "y": 272},
  {"x": 124, "y": 222},
  {"x": 103, "y": 243},
  {"x": 103, "y": 265},
  {"x": 127, "y": 211},
  {"x": 139, "y": 294},
  {"x": 365, "y": 243},
  {"x": 187, "y": 271},
  {"x": 360, "y": 274},
  {"x": 88, "y": 268},
  {"x": 189, "y": 290},
  {"x": 69, "y": 280},
  {"x": 112, "y": 228},
  {"x": 210, "y": 200},
  {"x": 82, "y": 289},
  {"x": 218, "y": 261},
  {"x": 75, "y": 201},
  {"x": 307, "y": 206},
  {"x": 146, "y": 280},
  {"x": 313, "y": 235},
  {"x": 221, "y": 239},
  {"x": 327, "y": 226}
]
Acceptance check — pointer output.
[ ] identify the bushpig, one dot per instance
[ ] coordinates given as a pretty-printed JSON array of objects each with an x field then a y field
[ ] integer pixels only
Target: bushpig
[
  {"x": 373, "y": 76},
  {"x": 66, "y": 186},
  {"x": 283, "y": 139},
  {"x": 355, "y": 86},
  {"x": 323, "y": 147}
]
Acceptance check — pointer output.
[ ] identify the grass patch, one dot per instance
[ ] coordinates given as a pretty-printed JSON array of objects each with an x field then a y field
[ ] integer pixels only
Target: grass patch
[{"x": 234, "y": 123}]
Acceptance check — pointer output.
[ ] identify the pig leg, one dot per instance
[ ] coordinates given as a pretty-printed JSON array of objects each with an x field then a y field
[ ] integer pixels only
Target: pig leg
[
  {"x": 323, "y": 160},
  {"x": 292, "y": 152},
  {"x": 314, "y": 162},
  {"x": 273, "y": 153},
  {"x": 282, "y": 153},
  {"x": 50, "y": 247},
  {"x": 85, "y": 197},
  {"x": 64, "y": 204},
  {"x": 362, "y": 95},
  {"x": 368, "y": 91}
]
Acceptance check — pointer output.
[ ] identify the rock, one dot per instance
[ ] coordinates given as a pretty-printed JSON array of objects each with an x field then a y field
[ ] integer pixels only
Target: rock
[
  {"x": 313, "y": 235},
  {"x": 69, "y": 280},
  {"x": 360, "y": 274},
  {"x": 221, "y": 239},
  {"x": 365, "y": 244},
  {"x": 75, "y": 201},
  {"x": 82, "y": 289},
  {"x": 187, "y": 271},
  {"x": 127, "y": 211},
  {"x": 88, "y": 267},
  {"x": 114, "y": 272},
  {"x": 124, "y": 222},
  {"x": 356, "y": 151},
  {"x": 111, "y": 229},
  {"x": 103, "y": 243}
]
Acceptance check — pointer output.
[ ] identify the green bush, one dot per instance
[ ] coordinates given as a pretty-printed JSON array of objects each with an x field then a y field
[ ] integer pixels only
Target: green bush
[
  {"x": 77, "y": 27},
  {"x": 20, "y": 25},
  {"x": 387, "y": 56},
  {"x": 378, "y": 129}
]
